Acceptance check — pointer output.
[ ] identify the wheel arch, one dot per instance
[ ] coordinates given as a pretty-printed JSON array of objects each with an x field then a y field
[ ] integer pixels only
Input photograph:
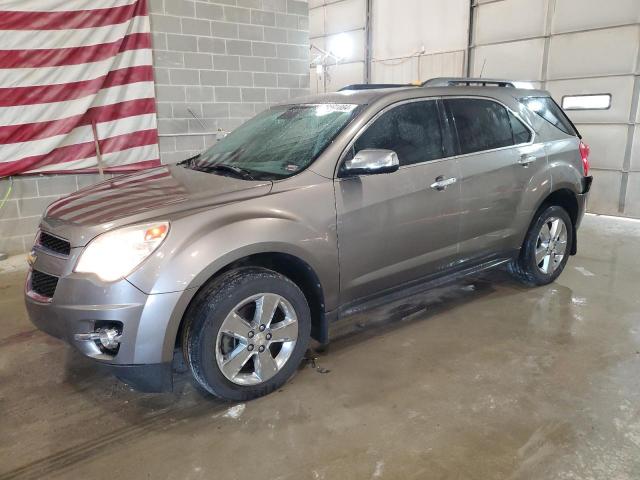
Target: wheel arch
[
  {"x": 567, "y": 199},
  {"x": 291, "y": 266}
]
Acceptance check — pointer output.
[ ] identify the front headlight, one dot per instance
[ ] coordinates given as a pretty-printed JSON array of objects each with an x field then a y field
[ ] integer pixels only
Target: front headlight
[{"x": 114, "y": 255}]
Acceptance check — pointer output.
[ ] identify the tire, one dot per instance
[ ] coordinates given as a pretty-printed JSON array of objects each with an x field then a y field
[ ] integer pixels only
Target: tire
[
  {"x": 526, "y": 268},
  {"x": 213, "y": 353}
]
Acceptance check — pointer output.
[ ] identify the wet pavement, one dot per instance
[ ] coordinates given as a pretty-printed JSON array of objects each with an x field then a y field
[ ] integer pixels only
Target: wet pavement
[{"x": 482, "y": 379}]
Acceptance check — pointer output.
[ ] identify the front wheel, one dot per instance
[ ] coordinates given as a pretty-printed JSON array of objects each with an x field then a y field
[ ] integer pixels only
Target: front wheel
[
  {"x": 246, "y": 333},
  {"x": 546, "y": 248}
]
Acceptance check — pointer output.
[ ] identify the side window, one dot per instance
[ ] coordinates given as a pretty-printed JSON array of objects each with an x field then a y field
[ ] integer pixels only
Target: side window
[
  {"x": 481, "y": 124},
  {"x": 411, "y": 130},
  {"x": 551, "y": 112},
  {"x": 521, "y": 134}
]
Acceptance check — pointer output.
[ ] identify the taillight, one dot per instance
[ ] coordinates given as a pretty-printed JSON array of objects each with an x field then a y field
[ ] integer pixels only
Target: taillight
[{"x": 584, "y": 153}]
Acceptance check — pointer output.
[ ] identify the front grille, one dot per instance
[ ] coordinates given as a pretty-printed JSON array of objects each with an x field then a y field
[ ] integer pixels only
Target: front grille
[
  {"x": 43, "y": 284},
  {"x": 55, "y": 244}
]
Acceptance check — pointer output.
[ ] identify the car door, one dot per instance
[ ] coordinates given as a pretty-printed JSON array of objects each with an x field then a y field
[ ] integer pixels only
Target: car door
[
  {"x": 400, "y": 226},
  {"x": 497, "y": 161}
]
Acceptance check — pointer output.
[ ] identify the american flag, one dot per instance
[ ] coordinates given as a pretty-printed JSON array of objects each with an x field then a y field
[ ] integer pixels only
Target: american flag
[{"x": 65, "y": 66}]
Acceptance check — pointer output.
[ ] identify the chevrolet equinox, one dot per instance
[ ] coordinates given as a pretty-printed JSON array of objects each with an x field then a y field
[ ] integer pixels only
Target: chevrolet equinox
[{"x": 306, "y": 213}]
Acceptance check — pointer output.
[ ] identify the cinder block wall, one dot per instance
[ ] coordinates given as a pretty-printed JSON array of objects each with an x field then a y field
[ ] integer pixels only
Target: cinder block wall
[
  {"x": 219, "y": 63},
  {"x": 216, "y": 65},
  {"x": 30, "y": 195}
]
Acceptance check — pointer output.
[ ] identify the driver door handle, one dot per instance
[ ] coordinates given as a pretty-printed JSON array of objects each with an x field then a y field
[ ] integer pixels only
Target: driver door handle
[
  {"x": 441, "y": 183},
  {"x": 525, "y": 160}
]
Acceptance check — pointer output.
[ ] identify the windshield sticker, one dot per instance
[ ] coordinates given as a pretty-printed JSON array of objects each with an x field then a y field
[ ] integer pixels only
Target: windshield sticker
[
  {"x": 320, "y": 109},
  {"x": 327, "y": 108},
  {"x": 292, "y": 168}
]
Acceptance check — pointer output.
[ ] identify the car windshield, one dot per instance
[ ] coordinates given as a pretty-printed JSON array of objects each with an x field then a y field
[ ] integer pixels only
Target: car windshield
[{"x": 277, "y": 143}]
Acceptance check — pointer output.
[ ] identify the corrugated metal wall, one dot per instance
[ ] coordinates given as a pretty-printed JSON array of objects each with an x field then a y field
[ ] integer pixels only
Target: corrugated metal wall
[
  {"x": 566, "y": 46},
  {"x": 574, "y": 47},
  {"x": 328, "y": 20},
  {"x": 412, "y": 40},
  {"x": 415, "y": 40}
]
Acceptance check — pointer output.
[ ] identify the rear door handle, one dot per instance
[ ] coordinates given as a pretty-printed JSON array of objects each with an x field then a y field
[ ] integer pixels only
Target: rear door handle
[
  {"x": 525, "y": 160},
  {"x": 441, "y": 183}
]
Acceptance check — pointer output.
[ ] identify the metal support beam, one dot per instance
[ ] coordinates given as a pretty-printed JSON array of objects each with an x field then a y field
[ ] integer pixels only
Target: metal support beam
[
  {"x": 551, "y": 8},
  {"x": 631, "y": 132},
  {"x": 468, "y": 59},
  {"x": 368, "y": 48}
]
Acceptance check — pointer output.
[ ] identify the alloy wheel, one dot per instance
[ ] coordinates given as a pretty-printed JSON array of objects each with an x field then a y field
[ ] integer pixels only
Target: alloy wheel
[
  {"x": 256, "y": 339},
  {"x": 551, "y": 245}
]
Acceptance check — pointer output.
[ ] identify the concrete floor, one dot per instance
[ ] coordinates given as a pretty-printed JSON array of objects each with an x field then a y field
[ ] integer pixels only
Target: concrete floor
[{"x": 479, "y": 380}]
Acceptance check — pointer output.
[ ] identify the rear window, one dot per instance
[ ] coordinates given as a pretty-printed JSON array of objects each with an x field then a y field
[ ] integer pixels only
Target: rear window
[
  {"x": 546, "y": 108},
  {"x": 485, "y": 125}
]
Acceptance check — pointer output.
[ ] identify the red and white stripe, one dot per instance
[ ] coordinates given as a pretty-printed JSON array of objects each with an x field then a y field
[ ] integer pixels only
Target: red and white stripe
[{"x": 65, "y": 64}]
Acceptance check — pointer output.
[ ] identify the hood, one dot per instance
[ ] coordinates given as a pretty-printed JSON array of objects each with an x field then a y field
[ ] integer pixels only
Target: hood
[{"x": 150, "y": 194}]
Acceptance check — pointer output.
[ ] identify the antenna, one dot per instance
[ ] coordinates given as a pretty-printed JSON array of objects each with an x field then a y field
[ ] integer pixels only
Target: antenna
[{"x": 483, "y": 64}]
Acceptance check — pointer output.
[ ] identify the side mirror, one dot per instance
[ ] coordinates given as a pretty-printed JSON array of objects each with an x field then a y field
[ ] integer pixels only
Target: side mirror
[{"x": 370, "y": 162}]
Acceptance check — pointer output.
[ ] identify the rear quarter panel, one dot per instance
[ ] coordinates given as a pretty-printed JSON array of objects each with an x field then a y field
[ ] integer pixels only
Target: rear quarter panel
[
  {"x": 562, "y": 167},
  {"x": 563, "y": 155},
  {"x": 565, "y": 164},
  {"x": 563, "y": 170}
]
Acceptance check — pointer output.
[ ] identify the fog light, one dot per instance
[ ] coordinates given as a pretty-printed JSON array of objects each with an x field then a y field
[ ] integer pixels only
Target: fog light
[{"x": 108, "y": 338}]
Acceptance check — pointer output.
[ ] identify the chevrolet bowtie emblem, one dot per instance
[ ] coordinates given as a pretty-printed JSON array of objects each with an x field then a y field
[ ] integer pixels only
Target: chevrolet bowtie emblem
[{"x": 31, "y": 258}]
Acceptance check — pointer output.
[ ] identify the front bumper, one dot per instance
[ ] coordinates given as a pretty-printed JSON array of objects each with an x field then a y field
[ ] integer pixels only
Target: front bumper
[{"x": 81, "y": 303}]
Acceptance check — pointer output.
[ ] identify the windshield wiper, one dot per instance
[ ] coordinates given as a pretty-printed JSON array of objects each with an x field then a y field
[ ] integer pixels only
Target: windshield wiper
[
  {"x": 189, "y": 161},
  {"x": 223, "y": 167}
]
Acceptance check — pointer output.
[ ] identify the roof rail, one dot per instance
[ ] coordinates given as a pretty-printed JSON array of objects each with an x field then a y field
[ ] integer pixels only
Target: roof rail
[
  {"x": 469, "y": 82},
  {"x": 374, "y": 86}
]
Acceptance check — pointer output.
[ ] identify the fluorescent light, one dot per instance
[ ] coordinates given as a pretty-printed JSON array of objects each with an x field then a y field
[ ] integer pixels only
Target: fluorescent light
[
  {"x": 341, "y": 46},
  {"x": 586, "y": 102}
]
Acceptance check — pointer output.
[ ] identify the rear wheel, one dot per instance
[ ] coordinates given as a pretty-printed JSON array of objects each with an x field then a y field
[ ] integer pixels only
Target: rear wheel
[
  {"x": 246, "y": 333},
  {"x": 546, "y": 248}
]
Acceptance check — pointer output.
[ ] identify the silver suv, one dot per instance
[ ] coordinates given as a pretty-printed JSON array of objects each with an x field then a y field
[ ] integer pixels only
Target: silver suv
[{"x": 306, "y": 213}]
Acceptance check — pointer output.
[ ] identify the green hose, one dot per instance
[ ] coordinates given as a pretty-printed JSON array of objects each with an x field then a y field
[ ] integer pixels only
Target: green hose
[{"x": 6, "y": 196}]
